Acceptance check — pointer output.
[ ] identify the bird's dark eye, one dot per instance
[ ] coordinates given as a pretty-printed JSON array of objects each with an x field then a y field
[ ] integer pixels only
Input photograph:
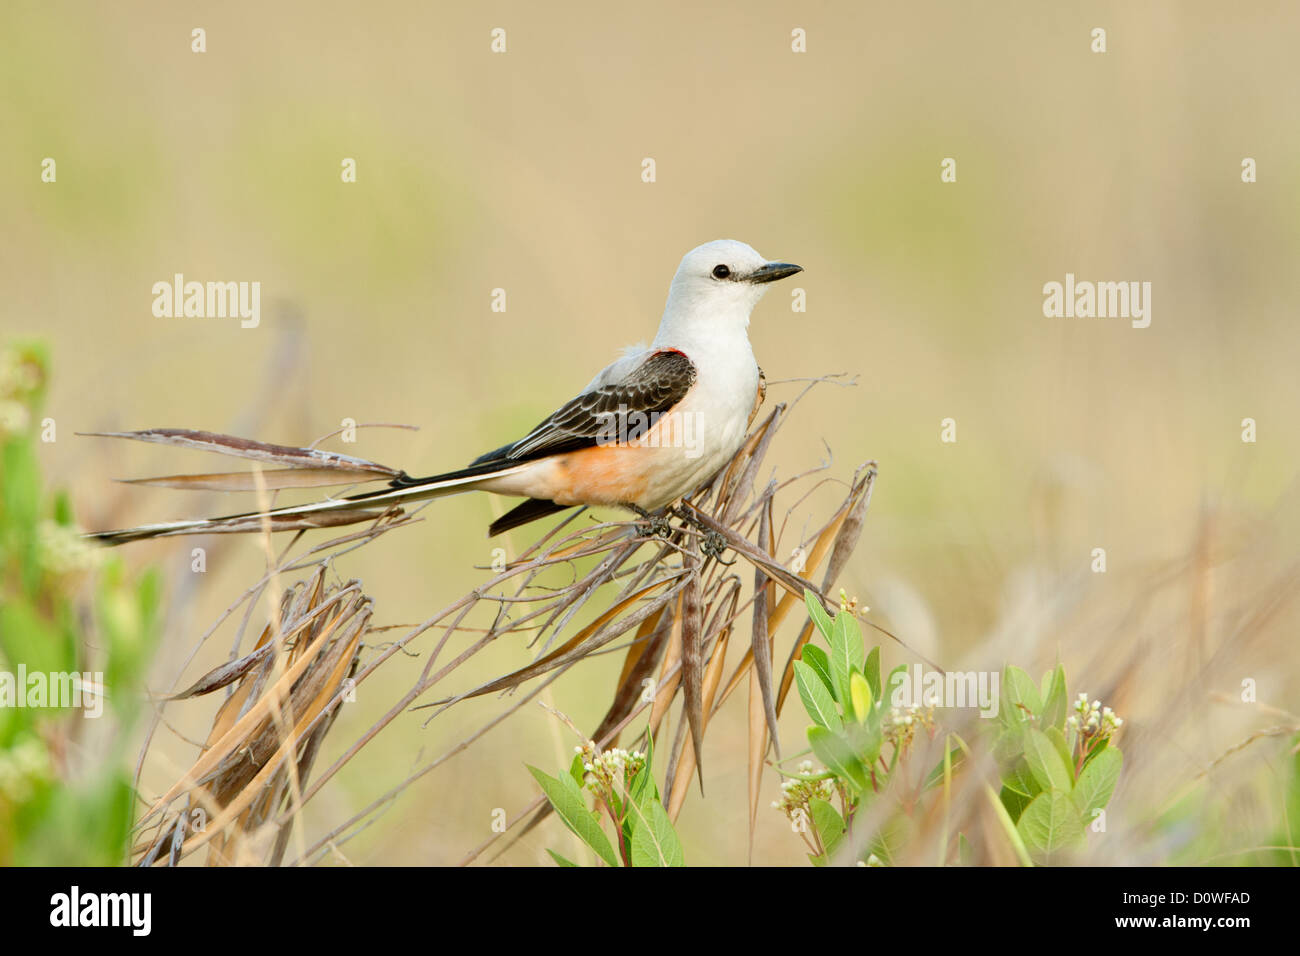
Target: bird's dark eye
[{"x": 721, "y": 272}]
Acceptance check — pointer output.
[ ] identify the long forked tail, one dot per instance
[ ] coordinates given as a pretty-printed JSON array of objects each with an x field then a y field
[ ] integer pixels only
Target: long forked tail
[{"x": 322, "y": 514}]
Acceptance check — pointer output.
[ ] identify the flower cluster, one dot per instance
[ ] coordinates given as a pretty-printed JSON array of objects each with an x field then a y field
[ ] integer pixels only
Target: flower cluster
[
  {"x": 1092, "y": 722},
  {"x": 850, "y": 604},
  {"x": 63, "y": 551},
  {"x": 900, "y": 723},
  {"x": 797, "y": 792},
  {"x": 610, "y": 770}
]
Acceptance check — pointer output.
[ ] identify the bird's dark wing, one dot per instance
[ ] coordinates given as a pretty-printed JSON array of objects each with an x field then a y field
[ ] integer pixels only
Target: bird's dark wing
[{"x": 621, "y": 409}]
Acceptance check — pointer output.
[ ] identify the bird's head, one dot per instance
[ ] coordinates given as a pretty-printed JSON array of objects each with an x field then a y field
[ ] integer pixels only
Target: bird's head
[{"x": 724, "y": 278}]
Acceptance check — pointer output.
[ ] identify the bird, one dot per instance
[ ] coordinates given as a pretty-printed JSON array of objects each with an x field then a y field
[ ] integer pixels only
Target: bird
[{"x": 647, "y": 430}]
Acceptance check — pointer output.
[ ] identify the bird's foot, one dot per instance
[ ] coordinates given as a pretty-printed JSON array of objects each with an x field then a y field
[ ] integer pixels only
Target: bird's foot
[
  {"x": 712, "y": 545},
  {"x": 653, "y": 526},
  {"x": 657, "y": 526}
]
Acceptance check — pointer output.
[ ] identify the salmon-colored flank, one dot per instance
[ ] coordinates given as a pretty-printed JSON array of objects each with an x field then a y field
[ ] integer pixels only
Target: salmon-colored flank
[{"x": 607, "y": 474}]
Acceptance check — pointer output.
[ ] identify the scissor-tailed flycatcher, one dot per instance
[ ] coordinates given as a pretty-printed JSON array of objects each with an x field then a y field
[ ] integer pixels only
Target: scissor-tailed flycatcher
[{"x": 648, "y": 429}]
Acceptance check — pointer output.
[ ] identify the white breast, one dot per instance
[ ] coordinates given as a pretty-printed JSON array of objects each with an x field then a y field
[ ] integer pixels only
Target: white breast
[{"x": 708, "y": 426}]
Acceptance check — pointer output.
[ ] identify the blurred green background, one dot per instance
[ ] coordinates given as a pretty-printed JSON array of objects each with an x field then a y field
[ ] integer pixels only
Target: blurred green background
[{"x": 522, "y": 171}]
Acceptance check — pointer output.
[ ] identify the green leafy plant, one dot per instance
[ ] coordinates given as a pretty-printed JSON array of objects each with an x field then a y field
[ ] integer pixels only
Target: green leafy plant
[
  {"x": 1057, "y": 768},
  {"x": 626, "y": 798},
  {"x": 65, "y": 797}
]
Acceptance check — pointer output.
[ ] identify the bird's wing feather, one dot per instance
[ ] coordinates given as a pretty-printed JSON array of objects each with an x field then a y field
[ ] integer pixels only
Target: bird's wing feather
[{"x": 652, "y": 387}]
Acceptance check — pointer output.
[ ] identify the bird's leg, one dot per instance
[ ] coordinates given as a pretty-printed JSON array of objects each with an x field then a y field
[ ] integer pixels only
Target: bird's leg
[
  {"x": 656, "y": 524},
  {"x": 712, "y": 543}
]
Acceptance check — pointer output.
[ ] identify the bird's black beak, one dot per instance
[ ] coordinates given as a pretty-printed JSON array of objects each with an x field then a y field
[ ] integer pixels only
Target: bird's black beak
[{"x": 773, "y": 271}]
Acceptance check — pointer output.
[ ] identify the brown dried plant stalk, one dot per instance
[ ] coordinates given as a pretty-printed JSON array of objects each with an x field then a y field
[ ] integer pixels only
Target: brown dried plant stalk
[{"x": 675, "y": 607}]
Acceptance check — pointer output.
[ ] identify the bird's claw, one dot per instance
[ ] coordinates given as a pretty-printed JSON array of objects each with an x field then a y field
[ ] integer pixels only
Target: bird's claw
[
  {"x": 712, "y": 545},
  {"x": 655, "y": 526}
]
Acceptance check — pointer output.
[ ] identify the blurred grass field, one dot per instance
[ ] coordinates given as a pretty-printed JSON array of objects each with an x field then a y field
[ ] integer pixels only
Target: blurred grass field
[{"x": 522, "y": 171}]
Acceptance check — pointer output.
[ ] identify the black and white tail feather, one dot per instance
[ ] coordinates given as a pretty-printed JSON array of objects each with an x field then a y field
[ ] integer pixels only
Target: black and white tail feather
[
  {"x": 653, "y": 386},
  {"x": 341, "y": 511}
]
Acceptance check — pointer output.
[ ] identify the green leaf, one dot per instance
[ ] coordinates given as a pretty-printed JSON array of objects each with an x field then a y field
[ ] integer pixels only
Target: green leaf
[
  {"x": 894, "y": 834},
  {"x": 965, "y": 852},
  {"x": 572, "y": 810},
  {"x": 645, "y": 776},
  {"x": 876, "y": 715},
  {"x": 896, "y": 678},
  {"x": 838, "y": 756},
  {"x": 1046, "y": 763},
  {"x": 28, "y": 636},
  {"x": 829, "y": 824},
  {"x": 20, "y": 504},
  {"x": 654, "y": 842},
  {"x": 816, "y": 658},
  {"x": 62, "y": 509},
  {"x": 1050, "y": 824},
  {"x": 1095, "y": 749},
  {"x": 1058, "y": 741},
  {"x": 128, "y": 618},
  {"x": 816, "y": 698},
  {"x": 1019, "y": 779},
  {"x": 935, "y": 777},
  {"x": 1014, "y": 801},
  {"x": 818, "y": 614},
  {"x": 1097, "y": 781},
  {"x": 559, "y": 859},
  {"x": 871, "y": 671},
  {"x": 1019, "y": 694},
  {"x": 641, "y": 787},
  {"x": 1054, "y": 699},
  {"x": 576, "y": 770},
  {"x": 846, "y": 652}
]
